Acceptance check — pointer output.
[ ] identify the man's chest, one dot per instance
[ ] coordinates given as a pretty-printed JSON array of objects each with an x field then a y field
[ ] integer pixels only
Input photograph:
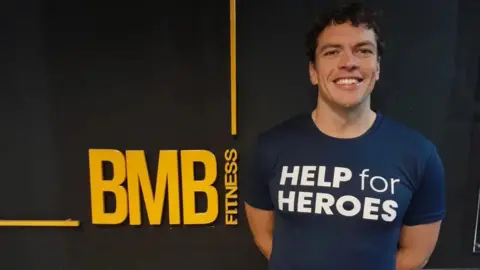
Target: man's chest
[{"x": 361, "y": 187}]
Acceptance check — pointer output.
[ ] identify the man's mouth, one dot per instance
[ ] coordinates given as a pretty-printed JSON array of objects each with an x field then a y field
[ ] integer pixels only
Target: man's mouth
[
  {"x": 348, "y": 83},
  {"x": 348, "y": 80}
]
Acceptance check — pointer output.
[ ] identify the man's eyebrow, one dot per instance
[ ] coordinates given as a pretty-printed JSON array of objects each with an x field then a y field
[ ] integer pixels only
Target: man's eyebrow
[
  {"x": 365, "y": 43},
  {"x": 330, "y": 46},
  {"x": 338, "y": 46}
]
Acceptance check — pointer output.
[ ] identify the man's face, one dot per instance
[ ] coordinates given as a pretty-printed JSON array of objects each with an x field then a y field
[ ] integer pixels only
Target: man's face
[{"x": 346, "y": 65}]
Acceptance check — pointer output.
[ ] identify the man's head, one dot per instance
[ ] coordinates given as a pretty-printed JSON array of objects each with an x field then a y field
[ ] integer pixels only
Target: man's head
[{"x": 344, "y": 50}]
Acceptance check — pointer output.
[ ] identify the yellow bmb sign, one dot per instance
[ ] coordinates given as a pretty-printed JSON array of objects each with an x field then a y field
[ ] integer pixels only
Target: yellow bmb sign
[{"x": 131, "y": 184}]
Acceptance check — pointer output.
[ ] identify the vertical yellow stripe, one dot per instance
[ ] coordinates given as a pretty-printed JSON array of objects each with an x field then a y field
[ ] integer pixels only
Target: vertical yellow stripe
[{"x": 233, "y": 68}]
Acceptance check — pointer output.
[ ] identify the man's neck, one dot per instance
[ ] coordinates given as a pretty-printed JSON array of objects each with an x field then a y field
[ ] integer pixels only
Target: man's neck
[{"x": 344, "y": 123}]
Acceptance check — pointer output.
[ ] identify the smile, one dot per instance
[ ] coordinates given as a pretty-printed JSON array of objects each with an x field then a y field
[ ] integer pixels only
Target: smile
[{"x": 347, "y": 81}]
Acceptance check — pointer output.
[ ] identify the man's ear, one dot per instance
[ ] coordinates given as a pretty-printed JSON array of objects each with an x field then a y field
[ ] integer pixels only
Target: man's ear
[
  {"x": 378, "y": 69},
  {"x": 313, "y": 73}
]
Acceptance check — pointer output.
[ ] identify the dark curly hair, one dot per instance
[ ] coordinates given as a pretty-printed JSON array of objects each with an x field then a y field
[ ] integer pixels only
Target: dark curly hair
[{"x": 357, "y": 13}]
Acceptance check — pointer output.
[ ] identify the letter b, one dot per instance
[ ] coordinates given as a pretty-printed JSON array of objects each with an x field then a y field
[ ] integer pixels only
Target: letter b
[
  {"x": 190, "y": 186},
  {"x": 99, "y": 186}
]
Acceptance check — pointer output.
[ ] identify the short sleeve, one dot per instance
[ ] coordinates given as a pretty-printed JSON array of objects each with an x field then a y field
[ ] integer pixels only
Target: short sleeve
[
  {"x": 428, "y": 203},
  {"x": 257, "y": 191}
]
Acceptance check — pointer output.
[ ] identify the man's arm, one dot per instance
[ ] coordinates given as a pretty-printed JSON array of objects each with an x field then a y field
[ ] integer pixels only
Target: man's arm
[
  {"x": 261, "y": 225},
  {"x": 422, "y": 221},
  {"x": 416, "y": 244},
  {"x": 259, "y": 207}
]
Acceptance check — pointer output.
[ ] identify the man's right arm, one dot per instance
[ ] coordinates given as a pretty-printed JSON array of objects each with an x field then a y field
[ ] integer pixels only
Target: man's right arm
[
  {"x": 261, "y": 226},
  {"x": 258, "y": 202}
]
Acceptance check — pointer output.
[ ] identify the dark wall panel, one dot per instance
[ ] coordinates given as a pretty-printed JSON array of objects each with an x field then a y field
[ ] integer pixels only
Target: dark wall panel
[{"x": 462, "y": 184}]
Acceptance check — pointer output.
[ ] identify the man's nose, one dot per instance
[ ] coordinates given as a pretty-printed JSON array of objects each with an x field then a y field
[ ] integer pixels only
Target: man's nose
[{"x": 348, "y": 61}]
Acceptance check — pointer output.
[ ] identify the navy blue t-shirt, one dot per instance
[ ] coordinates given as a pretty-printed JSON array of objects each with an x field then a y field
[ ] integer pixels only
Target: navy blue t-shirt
[{"x": 340, "y": 203}]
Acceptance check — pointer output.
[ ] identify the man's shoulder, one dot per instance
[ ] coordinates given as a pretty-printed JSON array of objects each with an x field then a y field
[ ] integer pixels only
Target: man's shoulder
[
  {"x": 286, "y": 129},
  {"x": 406, "y": 137}
]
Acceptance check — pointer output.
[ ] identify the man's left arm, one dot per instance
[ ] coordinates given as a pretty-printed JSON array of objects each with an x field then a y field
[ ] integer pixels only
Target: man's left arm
[
  {"x": 423, "y": 218},
  {"x": 416, "y": 244}
]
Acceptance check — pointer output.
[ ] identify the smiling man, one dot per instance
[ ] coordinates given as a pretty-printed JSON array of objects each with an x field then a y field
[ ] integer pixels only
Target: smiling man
[{"x": 343, "y": 187}]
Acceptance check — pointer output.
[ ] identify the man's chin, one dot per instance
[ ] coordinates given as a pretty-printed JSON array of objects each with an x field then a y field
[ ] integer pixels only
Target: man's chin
[
  {"x": 350, "y": 104},
  {"x": 346, "y": 101}
]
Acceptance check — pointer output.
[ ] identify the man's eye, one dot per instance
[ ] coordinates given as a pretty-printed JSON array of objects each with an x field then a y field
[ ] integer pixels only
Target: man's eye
[
  {"x": 331, "y": 53},
  {"x": 366, "y": 51}
]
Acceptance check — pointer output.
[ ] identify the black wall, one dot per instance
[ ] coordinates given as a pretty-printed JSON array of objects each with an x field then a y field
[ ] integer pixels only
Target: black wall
[{"x": 81, "y": 75}]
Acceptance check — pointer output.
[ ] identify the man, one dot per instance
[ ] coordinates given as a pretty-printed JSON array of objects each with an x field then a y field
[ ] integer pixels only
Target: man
[{"x": 344, "y": 187}]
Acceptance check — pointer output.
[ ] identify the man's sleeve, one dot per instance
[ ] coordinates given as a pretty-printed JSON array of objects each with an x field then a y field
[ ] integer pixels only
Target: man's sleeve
[
  {"x": 428, "y": 202},
  {"x": 257, "y": 191}
]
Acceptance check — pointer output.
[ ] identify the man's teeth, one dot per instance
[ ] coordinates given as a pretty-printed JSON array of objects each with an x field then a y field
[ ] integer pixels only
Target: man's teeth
[{"x": 347, "y": 81}]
